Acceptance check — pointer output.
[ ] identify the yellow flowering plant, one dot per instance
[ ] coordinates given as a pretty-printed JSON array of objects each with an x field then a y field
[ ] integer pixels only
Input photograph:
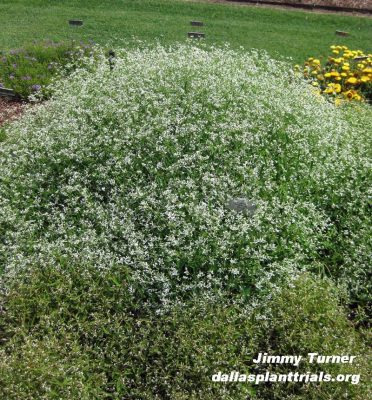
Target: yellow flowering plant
[{"x": 346, "y": 75}]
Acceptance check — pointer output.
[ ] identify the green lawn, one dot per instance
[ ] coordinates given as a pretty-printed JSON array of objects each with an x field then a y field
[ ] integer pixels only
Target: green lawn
[{"x": 289, "y": 33}]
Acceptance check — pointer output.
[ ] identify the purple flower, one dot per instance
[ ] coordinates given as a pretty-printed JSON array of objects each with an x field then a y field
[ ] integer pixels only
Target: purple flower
[
  {"x": 11, "y": 76},
  {"x": 26, "y": 78},
  {"x": 1, "y": 85},
  {"x": 15, "y": 51},
  {"x": 36, "y": 88},
  {"x": 14, "y": 65}
]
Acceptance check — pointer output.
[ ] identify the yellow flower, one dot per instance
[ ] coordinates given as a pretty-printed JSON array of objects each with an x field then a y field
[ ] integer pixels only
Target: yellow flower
[
  {"x": 341, "y": 77},
  {"x": 333, "y": 88},
  {"x": 349, "y": 94},
  {"x": 337, "y": 88},
  {"x": 353, "y": 95}
]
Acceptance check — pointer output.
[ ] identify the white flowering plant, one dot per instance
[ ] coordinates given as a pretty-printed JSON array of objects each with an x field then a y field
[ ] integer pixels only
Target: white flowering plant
[{"x": 132, "y": 168}]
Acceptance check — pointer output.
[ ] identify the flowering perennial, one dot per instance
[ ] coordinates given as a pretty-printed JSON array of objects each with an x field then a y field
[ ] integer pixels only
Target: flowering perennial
[
  {"x": 126, "y": 273},
  {"x": 134, "y": 166},
  {"x": 347, "y": 74},
  {"x": 30, "y": 70}
]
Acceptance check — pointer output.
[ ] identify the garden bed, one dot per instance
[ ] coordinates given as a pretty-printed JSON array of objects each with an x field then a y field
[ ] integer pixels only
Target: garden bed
[
  {"x": 128, "y": 271},
  {"x": 362, "y": 6}
]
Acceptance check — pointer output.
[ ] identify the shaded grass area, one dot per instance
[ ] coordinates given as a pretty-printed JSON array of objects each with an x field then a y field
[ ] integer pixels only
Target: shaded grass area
[{"x": 287, "y": 33}]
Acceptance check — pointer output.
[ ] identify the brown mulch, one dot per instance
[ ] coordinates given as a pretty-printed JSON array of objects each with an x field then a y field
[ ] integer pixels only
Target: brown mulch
[
  {"x": 282, "y": 6},
  {"x": 10, "y": 110},
  {"x": 361, "y": 4}
]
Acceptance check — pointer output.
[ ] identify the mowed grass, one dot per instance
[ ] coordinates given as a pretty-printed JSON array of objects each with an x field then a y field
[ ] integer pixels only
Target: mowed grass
[{"x": 280, "y": 32}]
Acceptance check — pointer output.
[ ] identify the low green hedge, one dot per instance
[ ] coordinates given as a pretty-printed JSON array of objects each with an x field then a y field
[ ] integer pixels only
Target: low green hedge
[{"x": 78, "y": 334}]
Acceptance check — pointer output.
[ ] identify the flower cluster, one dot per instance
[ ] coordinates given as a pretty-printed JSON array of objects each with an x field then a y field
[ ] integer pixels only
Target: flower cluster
[
  {"x": 347, "y": 74},
  {"x": 135, "y": 166},
  {"x": 30, "y": 70}
]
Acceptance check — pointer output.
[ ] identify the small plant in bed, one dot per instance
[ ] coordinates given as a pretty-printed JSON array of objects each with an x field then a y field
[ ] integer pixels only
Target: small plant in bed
[{"x": 29, "y": 70}]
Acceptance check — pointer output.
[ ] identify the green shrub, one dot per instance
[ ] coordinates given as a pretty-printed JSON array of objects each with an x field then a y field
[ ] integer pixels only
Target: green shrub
[
  {"x": 53, "y": 318},
  {"x": 86, "y": 324},
  {"x": 48, "y": 368},
  {"x": 77, "y": 333},
  {"x": 308, "y": 318}
]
